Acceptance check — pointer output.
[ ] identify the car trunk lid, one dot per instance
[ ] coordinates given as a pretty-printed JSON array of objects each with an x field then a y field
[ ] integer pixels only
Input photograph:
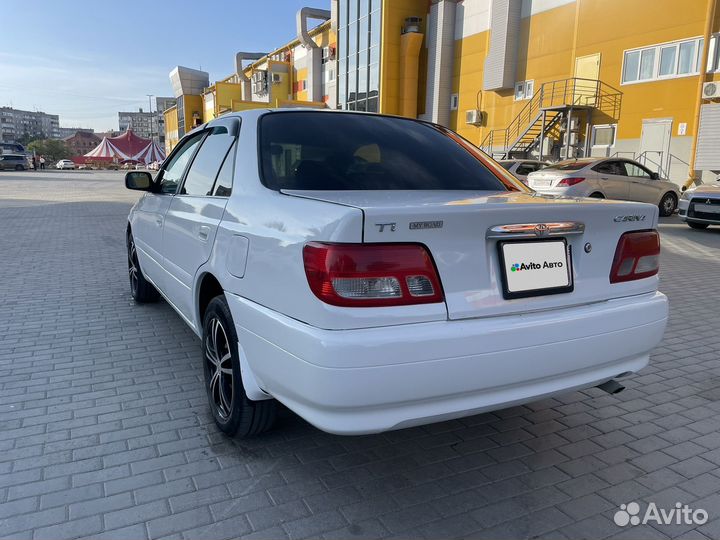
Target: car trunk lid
[{"x": 457, "y": 227}]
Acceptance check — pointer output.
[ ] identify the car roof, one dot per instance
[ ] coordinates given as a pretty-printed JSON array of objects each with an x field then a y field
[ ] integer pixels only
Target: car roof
[{"x": 257, "y": 113}]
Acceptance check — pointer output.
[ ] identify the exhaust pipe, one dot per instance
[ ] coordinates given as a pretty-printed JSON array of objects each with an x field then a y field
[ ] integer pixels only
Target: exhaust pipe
[{"x": 611, "y": 387}]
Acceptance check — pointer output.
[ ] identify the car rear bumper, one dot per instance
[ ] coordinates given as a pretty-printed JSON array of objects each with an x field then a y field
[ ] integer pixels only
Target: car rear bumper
[{"x": 378, "y": 379}]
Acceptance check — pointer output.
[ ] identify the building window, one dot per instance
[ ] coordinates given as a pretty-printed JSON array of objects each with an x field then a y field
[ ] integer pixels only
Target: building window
[
  {"x": 454, "y": 102},
  {"x": 713, "y": 64},
  {"x": 524, "y": 90},
  {"x": 664, "y": 61},
  {"x": 358, "y": 52},
  {"x": 604, "y": 135},
  {"x": 328, "y": 54}
]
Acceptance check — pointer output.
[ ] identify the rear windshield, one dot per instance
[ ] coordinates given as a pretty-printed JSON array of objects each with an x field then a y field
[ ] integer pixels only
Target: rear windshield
[
  {"x": 568, "y": 166},
  {"x": 506, "y": 164},
  {"x": 345, "y": 151}
]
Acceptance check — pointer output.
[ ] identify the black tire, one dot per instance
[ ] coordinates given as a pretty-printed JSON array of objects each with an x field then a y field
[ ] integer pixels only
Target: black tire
[
  {"x": 141, "y": 289},
  {"x": 696, "y": 225},
  {"x": 241, "y": 417},
  {"x": 19, "y": 168},
  {"x": 597, "y": 195},
  {"x": 668, "y": 204}
]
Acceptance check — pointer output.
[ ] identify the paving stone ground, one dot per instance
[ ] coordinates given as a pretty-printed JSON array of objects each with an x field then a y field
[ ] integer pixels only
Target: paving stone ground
[{"x": 105, "y": 433}]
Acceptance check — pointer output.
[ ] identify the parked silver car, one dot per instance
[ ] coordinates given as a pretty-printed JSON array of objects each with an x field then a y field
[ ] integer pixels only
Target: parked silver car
[
  {"x": 607, "y": 178},
  {"x": 700, "y": 206},
  {"x": 520, "y": 168}
]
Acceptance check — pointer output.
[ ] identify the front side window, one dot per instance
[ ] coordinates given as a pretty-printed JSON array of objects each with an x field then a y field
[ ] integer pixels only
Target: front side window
[
  {"x": 173, "y": 172},
  {"x": 635, "y": 170},
  {"x": 204, "y": 170},
  {"x": 337, "y": 151}
]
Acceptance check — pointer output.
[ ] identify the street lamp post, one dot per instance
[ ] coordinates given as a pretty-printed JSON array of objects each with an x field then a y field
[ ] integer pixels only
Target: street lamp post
[{"x": 150, "y": 96}]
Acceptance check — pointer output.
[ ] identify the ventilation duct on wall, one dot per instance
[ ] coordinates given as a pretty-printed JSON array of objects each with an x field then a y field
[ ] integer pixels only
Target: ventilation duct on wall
[
  {"x": 501, "y": 60},
  {"x": 314, "y": 54},
  {"x": 240, "y": 72},
  {"x": 441, "y": 50}
]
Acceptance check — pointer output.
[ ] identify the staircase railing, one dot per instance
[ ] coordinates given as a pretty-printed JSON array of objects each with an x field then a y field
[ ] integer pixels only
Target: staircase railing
[
  {"x": 562, "y": 93},
  {"x": 643, "y": 158}
]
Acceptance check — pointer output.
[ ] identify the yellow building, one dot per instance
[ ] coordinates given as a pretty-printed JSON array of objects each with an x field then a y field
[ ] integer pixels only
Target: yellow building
[
  {"x": 547, "y": 78},
  {"x": 300, "y": 73},
  {"x": 552, "y": 79}
]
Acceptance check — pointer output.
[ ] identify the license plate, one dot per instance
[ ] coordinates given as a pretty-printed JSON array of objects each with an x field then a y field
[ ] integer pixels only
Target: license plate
[
  {"x": 542, "y": 183},
  {"x": 707, "y": 208},
  {"x": 536, "y": 267}
]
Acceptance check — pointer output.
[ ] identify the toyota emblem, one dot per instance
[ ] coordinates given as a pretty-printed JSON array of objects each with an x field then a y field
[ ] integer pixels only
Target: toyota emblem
[{"x": 541, "y": 229}]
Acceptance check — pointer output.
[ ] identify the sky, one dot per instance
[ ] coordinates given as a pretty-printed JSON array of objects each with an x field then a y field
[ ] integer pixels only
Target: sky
[{"x": 87, "y": 60}]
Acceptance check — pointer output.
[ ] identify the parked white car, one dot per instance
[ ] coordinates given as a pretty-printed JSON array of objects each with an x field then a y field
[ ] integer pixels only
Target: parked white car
[
  {"x": 520, "y": 168},
  {"x": 374, "y": 273},
  {"x": 607, "y": 178},
  {"x": 700, "y": 206},
  {"x": 65, "y": 164}
]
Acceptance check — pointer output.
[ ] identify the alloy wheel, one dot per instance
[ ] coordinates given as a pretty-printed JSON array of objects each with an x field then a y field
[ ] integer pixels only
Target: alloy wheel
[
  {"x": 133, "y": 266},
  {"x": 220, "y": 373},
  {"x": 668, "y": 205}
]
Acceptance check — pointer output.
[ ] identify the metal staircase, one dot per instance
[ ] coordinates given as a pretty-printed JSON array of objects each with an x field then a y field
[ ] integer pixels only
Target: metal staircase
[{"x": 551, "y": 110}]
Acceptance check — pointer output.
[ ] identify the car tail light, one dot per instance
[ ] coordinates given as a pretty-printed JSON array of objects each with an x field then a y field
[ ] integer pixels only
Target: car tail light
[
  {"x": 571, "y": 181},
  {"x": 371, "y": 275},
  {"x": 637, "y": 256}
]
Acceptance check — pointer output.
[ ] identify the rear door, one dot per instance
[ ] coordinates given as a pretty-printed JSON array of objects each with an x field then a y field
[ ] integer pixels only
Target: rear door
[
  {"x": 195, "y": 212},
  {"x": 613, "y": 179},
  {"x": 643, "y": 188}
]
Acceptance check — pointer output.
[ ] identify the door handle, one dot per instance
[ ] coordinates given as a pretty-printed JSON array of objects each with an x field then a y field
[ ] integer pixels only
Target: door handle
[
  {"x": 603, "y": 178},
  {"x": 203, "y": 233},
  {"x": 159, "y": 221}
]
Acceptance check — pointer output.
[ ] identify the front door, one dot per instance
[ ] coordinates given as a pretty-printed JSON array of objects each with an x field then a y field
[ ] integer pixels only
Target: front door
[
  {"x": 643, "y": 188},
  {"x": 655, "y": 143},
  {"x": 613, "y": 179},
  {"x": 151, "y": 211},
  {"x": 195, "y": 212},
  {"x": 587, "y": 71},
  {"x": 147, "y": 234}
]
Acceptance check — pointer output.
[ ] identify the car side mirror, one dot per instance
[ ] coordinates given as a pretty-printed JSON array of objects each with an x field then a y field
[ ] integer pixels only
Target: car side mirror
[
  {"x": 654, "y": 176},
  {"x": 139, "y": 180}
]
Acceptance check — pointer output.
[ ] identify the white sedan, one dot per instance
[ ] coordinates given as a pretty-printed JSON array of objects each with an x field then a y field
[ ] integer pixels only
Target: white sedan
[
  {"x": 700, "y": 206},
  {"x": 65, "y": 164},
  {"x": 373, "y": 273}
]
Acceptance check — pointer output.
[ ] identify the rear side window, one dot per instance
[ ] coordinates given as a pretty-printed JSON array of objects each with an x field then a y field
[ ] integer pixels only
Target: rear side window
[
  {"x": 610, "y": 167},
  {"x": 344, "y": 151},
  {"x": 205, "y": 167}
]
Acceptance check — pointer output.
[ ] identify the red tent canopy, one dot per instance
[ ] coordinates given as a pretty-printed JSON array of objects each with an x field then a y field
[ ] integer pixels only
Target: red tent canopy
[
  {"x": 123, "y": 147},
  {"x": 128, "y": 143}
]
